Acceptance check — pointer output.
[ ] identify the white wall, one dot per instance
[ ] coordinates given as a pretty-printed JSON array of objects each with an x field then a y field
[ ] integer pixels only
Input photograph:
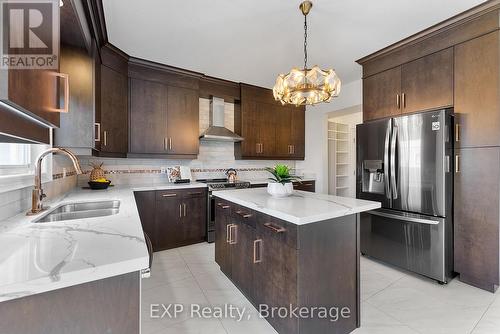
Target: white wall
[{"x": 316, "y": 157}]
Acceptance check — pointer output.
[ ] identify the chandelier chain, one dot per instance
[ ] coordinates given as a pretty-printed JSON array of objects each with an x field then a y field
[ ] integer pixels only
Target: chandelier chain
[{"x": 305, "y": 41}]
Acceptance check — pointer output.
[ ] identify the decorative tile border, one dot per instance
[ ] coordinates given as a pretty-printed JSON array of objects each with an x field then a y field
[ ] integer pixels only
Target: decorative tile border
[
  {"x": 158, "y": 171},
  {"x": 61, "y": 175}
]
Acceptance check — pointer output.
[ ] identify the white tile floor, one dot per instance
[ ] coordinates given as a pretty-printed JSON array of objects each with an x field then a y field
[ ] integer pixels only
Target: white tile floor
[{"x": 393, "y": 301}]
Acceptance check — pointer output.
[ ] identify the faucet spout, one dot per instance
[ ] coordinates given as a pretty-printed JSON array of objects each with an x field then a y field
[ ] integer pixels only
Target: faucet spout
[{"x": 37, "y": 193}]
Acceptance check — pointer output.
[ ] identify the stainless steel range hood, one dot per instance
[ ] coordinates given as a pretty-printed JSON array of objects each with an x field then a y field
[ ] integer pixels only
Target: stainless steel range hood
[{"x": 216, "y": 131}]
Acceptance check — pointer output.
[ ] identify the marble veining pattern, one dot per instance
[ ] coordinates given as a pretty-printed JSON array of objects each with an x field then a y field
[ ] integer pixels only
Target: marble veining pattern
[
  {"x": 40, "y": 257},
  {"x": 300, "y": 208}
]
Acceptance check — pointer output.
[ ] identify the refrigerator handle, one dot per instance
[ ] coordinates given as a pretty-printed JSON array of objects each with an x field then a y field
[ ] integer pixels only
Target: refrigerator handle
[
  {"x": 394, "y": 186},
  {"x": 386, "y": 161}
]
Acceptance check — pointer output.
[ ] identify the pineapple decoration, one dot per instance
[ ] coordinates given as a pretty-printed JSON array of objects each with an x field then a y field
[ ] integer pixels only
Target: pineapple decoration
[{"x": 97, "y": 174}]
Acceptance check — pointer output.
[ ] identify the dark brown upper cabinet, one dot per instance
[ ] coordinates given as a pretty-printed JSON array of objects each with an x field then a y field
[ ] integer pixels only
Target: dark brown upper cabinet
[
  {"x": 381, "y": 94},
  {"x": 271, "y": 130},
  {"x": 164, "y": 111},
  {"x": 423, "y": 84},
  {"x": 183, "y": 116},
  {"x": 148, "y": 117},
  {"x": 477, "y": 87},
  {"x": 114, "y": 112},
  {"x": 427, "y": 83}
]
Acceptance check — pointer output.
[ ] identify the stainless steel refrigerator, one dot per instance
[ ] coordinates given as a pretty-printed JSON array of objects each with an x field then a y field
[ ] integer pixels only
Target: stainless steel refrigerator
[{"x": 406, "y": 164}]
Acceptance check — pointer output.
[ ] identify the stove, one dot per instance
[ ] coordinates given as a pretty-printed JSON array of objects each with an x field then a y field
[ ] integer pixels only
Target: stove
[
  {"x": 217, "y": 185},
  {"x": 224, "y": 184}
]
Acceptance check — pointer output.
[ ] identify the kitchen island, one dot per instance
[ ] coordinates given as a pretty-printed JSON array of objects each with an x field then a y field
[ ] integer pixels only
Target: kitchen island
[{"x": 296, "y": 258}]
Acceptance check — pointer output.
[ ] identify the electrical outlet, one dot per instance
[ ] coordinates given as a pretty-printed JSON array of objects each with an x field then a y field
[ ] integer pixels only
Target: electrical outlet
[
  {"x": 163, "y": 170},
  {"x": 64, "y": 173}
]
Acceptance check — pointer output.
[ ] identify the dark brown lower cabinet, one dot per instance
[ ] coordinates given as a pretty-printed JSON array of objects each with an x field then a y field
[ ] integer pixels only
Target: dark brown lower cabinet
[
  {"x": 222, "y": 247},
  {"x": 476, "y": 216},
  {"x": 305, "y": 186},
  {"x": 280, "y": 266},
  {"x": 110, "y": 305},
  {"x": 173, "y": 218}
]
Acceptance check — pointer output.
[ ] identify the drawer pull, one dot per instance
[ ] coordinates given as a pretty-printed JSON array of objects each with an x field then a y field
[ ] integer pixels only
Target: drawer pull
[
  {"x": 276, "y": 229},
  {"x": 168, "y": 195},
  {"x": 233, "y": 238},
  {"x": 307, "y": 184},
  {"x": 243, "y": 214},
  {"x": 457, "y": 132},
  {"x": 195, "y": 193},
  {"x": 180, "y": 210},
  {"x": 228, "y": 233},
  {"x": 223, "y": 206},
  {"x": 259, "y": 259}
]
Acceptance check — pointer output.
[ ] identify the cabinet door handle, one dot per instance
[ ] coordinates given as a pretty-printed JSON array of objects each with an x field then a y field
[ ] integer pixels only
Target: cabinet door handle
[
  {"x": 398, "y": 101},
  {"x": 180, "y": 210},
  {"x": 457, "y": 163},
  {"x": 275, "y": 229},
  {"x": 307, "y": 184},
  {"x": 403, "y": 100},
  {"x": 223, "y": 206},
  {"x": 105, "y": 135},
  {"x": 457, "y": 132},
  {"x": 293, "y": 149},
  {"x": 243, "y": 214},
  {"x": 168, "y": 195},
  {"x": 97, "y": 132},
  {"x": 259, "y": 259},
  {"x": 185, "y": 211},
  {"x": 233, "y": 237},
  {"x": 65, "y": 78},
  {"x": 165, "y": 144},
  {"x": 261, "y": 148},
  {"x": 170, "y": 144},
  {"x": 228, "y": 233}
]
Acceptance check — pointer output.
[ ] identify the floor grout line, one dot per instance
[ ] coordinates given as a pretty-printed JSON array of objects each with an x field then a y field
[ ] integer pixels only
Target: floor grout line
[
  {"x": 202, "y": 290},
  {"x": 482, "y": 316}
]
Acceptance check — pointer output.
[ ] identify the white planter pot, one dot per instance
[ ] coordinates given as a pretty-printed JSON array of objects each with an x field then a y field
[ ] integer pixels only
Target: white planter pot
[{"x": 280, "y": 190}]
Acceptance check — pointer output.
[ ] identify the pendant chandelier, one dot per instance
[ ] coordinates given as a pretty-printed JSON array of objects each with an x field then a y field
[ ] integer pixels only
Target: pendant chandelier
[{"x": 306, "y": 85}]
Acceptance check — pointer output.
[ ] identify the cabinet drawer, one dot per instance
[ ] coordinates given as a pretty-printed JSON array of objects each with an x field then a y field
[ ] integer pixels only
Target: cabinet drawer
[
  {"x": 181, "y": 193},
  {"x": 162, "y": 195},
  {"x": 279, "y": 229},
  {"x": 195, "y": 193},
  {"x": 241, "y": 214},
  {"x": 305, "y": 186}
]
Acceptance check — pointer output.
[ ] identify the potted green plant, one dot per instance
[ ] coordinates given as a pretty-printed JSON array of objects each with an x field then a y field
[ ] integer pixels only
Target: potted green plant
[{"x": 280, "y": 184}]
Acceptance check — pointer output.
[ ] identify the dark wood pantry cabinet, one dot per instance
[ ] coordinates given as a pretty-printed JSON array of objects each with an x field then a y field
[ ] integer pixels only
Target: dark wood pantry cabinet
[
  {"x": 173, "y": 218},
  {"x": 456, "y": 64}
]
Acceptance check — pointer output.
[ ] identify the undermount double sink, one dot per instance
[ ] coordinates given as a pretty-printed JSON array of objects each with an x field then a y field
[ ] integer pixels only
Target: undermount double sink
[{"x": 80, "y": 210}]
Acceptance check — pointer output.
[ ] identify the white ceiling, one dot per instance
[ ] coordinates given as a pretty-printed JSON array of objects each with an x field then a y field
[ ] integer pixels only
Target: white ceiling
[{"x": 253, "y": 40}]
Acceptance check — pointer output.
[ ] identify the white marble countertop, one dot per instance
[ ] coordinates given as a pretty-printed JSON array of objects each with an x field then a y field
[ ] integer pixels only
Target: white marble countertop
[
  {"x": 300, "y": 208},
  {"x": 42, "y": 257},
  {"x": 265, "y": 181}
]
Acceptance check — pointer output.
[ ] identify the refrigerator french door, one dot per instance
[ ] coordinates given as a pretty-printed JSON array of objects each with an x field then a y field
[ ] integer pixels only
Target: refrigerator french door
[{"x": 405, "y": 163}]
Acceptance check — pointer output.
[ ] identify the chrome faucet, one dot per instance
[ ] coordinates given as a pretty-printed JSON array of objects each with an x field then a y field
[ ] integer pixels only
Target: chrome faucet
[{"x": 37, "y": 195}]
